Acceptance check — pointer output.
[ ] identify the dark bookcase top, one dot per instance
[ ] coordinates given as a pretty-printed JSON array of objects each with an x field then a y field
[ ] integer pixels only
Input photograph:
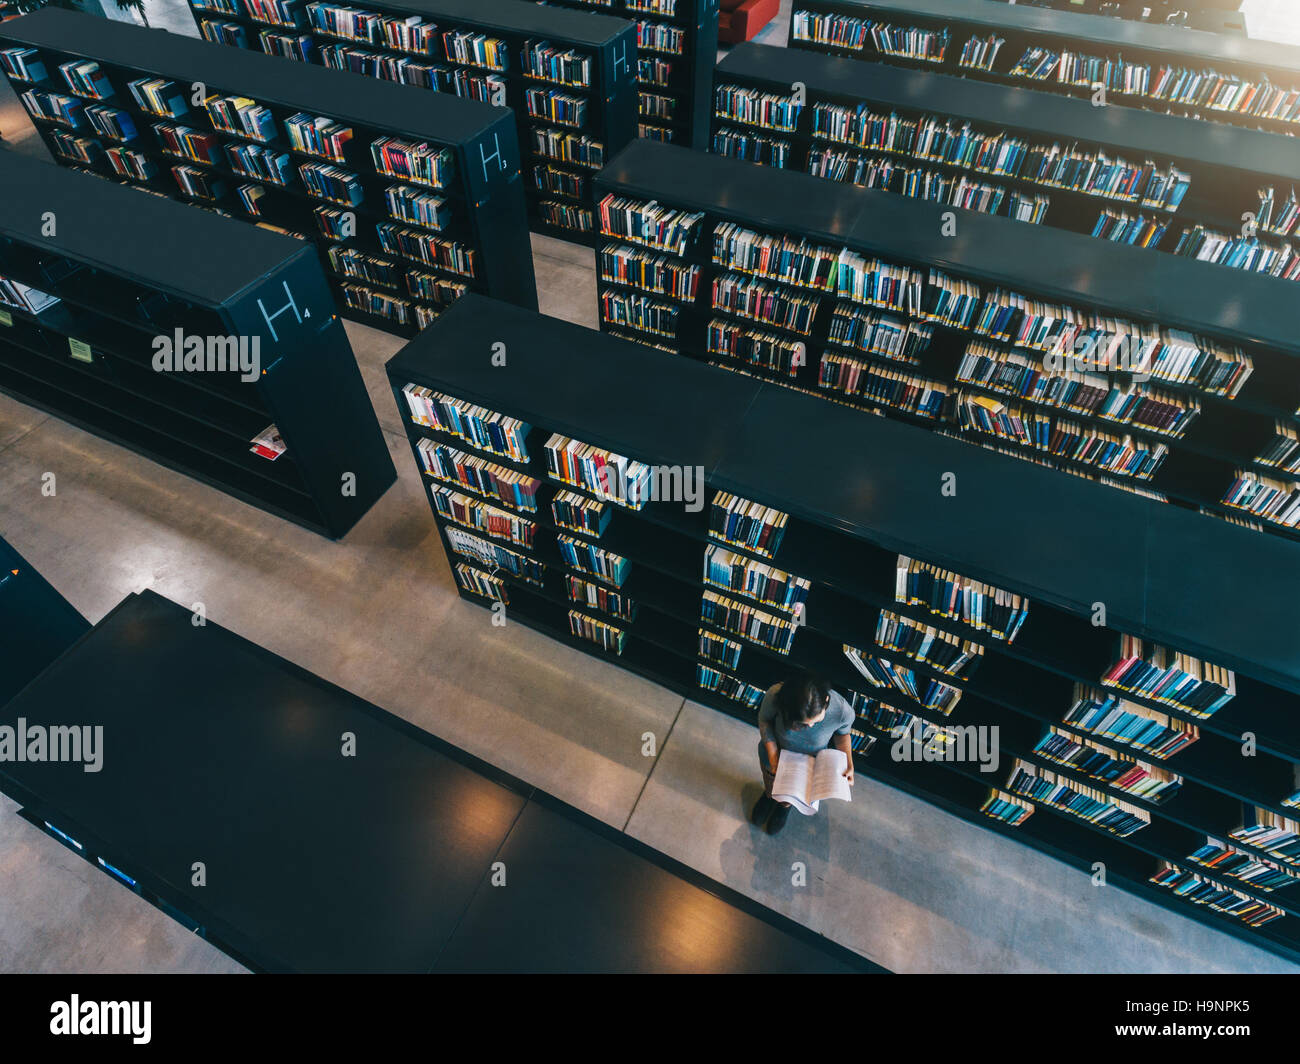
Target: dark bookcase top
[
  {"x": 1082, "y": 29},
  {"x": 1046, "y": 114},
  {"x": 559, "y": 24},
  {"x": 1072, "y": 268},
  {"x": 1190, "y": 581},
  {"x": 159, "y": 243},
  {"x": 437, "y": 116}
]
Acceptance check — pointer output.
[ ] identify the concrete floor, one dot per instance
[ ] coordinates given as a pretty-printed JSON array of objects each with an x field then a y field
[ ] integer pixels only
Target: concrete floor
[{"x": 910, "y": 887}]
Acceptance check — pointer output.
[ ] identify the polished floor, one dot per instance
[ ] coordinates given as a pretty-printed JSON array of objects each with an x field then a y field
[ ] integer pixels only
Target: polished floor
[{"x": 906, "y": 885}]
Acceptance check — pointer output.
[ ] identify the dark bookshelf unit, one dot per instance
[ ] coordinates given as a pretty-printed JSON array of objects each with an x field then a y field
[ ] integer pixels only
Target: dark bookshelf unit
[
  {"x": 37, "y": 623},
  {"x": 990, "y": 332},
  {"x": 677, "y": 45},
  {"x": 125, "y": 282},
  {"x": 1108, "y": 50},
  {"x": 997, "y": 148},
  {"x": 570, "y": 121},
  {"x": 408, "y": 201},
  {"x": 861, "y": 495}
]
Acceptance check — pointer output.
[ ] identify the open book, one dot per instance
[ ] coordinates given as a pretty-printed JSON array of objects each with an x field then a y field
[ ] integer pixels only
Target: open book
[{"x": 804, "y": 781}]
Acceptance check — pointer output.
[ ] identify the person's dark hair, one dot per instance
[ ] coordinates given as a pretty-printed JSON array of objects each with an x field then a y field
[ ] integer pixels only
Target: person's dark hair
[{"x": 802, "y": 697}]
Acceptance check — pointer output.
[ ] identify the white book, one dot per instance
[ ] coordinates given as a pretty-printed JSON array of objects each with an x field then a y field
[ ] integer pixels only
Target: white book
[{"x": 804, "y": 781}]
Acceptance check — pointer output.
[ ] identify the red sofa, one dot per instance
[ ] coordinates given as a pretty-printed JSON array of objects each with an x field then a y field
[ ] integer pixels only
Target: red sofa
[{"x": 740, "y": 20}]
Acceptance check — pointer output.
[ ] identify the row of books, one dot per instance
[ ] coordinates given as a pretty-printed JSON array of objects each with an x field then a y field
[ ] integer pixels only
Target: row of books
[
  {"x": 659, "y": 274},
  {"x": 595, "y": 561},
  {"x": 879, "y": 334},
  {"x": 1105, "y": 714},
  {"x": 771, "y": 630},
  {"x": 488, "y": 479},
  {"x": 929, "y": 185},
  {"x": 1204, "y": 891},
  {"x": 775, "y": 306},
  {"x": 555, "y": 106},
  {"x": 908, "y": 393},
  {"x": 568, "y": 148},
  {"x": 449, "y": 255},
  {"x": 494, "y": 556},
  {"x": 746, "y": 524},
  {"x": 1061, "y": 437},
  {"x": 927, "y": 643},
  {"x": 929, "y": 692},
  {"x": 718, "y": 649},
  {"x": 386, "y": 305},
  {"x": 1271, "y": 832},
  {"x": 1093, "y": 759},
  {"x": 604, "y": 635},
  {"x": 317, "y": 135},
  {"x": 241, "y": 116},
  {"x": 1283, "y": 448},
  {"x": 1057, "y": 165},
  {"x": 480, "y": 583},
  {"x": 756, "y": 347},
  {"x": 22, "y": 297},
  {"x": 578, "y": 513},
  {"x": 598, "y": 597},
  {"x": 605, "y": 474},
  {"x": 1203, "y": 88},
  {"x": 980, "y": 606},
  {"x": 476, "y": 425},
  {"x": 553, "y": 181},
  {"x": 729, "y": 686},
  {"x": 639, "y": 312},
  {"x": 1273, "y": 500},
  {"x": 1091, "y": 804},
  {"x": 1236, "y": 864},
  {"x": 1008, "y": 808},
  {"x": 647, "y": 222},
  {"x": 411, "y": 34},
  {"x": 1239, "y": 252},
  {"x": 847, "y": 31},
  {"x": 1138, "y": 230},
  {"x": 752, "y": 147},
  {"x": 767, "y": 584},
  {"x": 1170, "y": 677},
  {"x": 1094, "y": 394},
  {"x": 477, "y": 515}
]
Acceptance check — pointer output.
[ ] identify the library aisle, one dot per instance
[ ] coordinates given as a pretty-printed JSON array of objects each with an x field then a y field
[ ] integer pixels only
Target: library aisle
[{"x": 896, "y": 879}]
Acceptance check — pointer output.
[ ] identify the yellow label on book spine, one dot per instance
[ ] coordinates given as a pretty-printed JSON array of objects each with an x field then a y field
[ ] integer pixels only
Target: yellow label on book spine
[{"x": 80, "y": 351}]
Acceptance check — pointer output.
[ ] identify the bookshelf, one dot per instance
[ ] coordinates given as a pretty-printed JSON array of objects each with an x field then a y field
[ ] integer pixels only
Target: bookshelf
[
  {"x": 677, "y": 45},
  {"x": 569, "y": 78},
  {"x": 878, "y": 306},
  {"x": 998, "y": 148},
  {"x": 846, "y": 524},
  {"x": 39, "y": 623},
  {"x": 409, "y": 201},
  {"x": 91, "y": 313},
  {"x": 961, "y": 37}
]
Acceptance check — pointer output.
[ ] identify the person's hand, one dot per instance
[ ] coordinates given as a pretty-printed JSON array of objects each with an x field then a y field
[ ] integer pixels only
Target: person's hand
[{"x": 848, "y": 772}]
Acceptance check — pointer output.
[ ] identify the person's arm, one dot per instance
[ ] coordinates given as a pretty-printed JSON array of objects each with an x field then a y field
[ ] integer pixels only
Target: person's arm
[
  {"x": 842, "y": 739},
  {"x": 845, "y": 742},
  {"x": 766, "y": 733}
]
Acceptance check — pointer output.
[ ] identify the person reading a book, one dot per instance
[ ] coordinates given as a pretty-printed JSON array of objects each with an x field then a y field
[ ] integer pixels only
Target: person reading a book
[{"x": 804, "y": 749}]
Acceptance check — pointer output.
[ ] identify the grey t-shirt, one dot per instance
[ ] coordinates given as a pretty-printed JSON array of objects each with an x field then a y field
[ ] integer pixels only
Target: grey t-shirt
[{"x": 812, "y": 739}]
